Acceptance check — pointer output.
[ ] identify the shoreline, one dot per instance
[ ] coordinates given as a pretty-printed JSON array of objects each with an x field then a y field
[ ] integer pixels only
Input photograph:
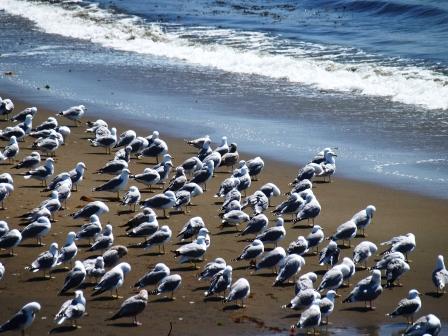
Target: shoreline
[{"x": 398, "y": 212}]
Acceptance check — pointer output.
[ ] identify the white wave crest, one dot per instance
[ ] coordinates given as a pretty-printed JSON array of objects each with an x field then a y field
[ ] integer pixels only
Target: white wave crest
[{"x": 405, "y": 84}]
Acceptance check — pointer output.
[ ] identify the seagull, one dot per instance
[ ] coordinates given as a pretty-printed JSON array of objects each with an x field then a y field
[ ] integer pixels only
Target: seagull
[
  {"x": 95, "y": 267},
  {"x": 50, "y": 123},
  {"x": 220, "y": 282},
  {"x": 258, "y": 201},
  {"x": 113, "y": 167},
  {"x": 386, "y": 259},
  {"x": 22, "y": 319},
  {"x": 147, "y": 215},
  {"x": 199, "y": 142},
  {"x": 148, "y": 177},
  {"x": 330, "y": 254},
  {"x": 252, "y": 251},
  {"x": 74, "y": 113},
  {"x": 290, "y": 206},
  {"x": 303, "y": 299},
  {"x": 394, "y": 270},
  {"x": 306, "y": 281},
  {"x": 255, "y": 225},
  {"x": 271, "y": 259},
  {"x": 348, "y": 269},
  {"x": 234, "y": 218},
  {"x": 126, "y": 138},
  {"x": 332, "y": 279},
  {"x": 178, "y": 181},
  {"x": 45, "y": 261},
  {"x": 205, "y": 150},
  {"x": 299, "y": 246},
  {"x": 212, "y": 268},
  {"x": 49, "y": 144},
  {"x": 145, "y": 229},
  {"x": 158, "y": 238},
  {"x": 192, "y": 252},
  {"x": 408, "y": 306},
  {"x": 364, "y": 218},
  {"x": 425, "y": 325},
  {"x": 103, "y": 240},
  {"x": 204, "y": 175},
  {"x": 137, "y": 145},
  {"x": 270, "y": 190},
  {"x": 10, "y": 151},
  {"x": 164, "y": 168},
  {"x": 255, "y": 166},
  {"x": 345, "y": 231},
  {"x": 310, "y": 210},
  {"x": 154, "y": 276},
  {"x": 2, "y": 271},
  {"x": 113, "y": 255},
  {"x": 403, "y": 244},
  {"x": 42, "y": 173},
  {"x": 191, "y": 228},
  {"x": 69, "y": 250},
  {"x": 363, "y": 251},
  {"x": 74, "y": 278},
  {"x": 77, "y": 174},
  {"x": 223, "y": 148},
  {"x": 161, "y": 201},
  {"x": 326, "y": 304},
  {"x": 29, "y": 162},
  {"x": 115, "y": 184},
  {"x": 169, "y": 283},
  {"x": 10, "y": 240},
  {"x": 72, "y": 309},
  {"x": 311, "y": 317},
  {"x": 227, "y": 185},
  {"x": 132, "y": 197},
  {"x": 240, "y": 290},
  {"x": 90, "y": 230},
  {"x": 4, "y": 228},
  {"x": 92, "y": 208},
  {"x": 6, "y": 107},
  {"x": 6, "y": 189},
  {"x": 131, "y": 307},
  {"x": 440, "y": 275},
  {"x": 367, "y": 290},
  {"x": 289, "y": 267},
  {"x": 230, "y": 158},
  {"x": 22, "y": 114},
  {"x": 37, "y": 229},
  {"x": 112, "y": 280},
  {"x": 193, "y": 188},
  {"x": 95, "y": 125},
  {"x": 192, "y": 164},
  {"x": 301, "y": 186},
  {"x": 106, "y": 141},
  {"x": 273, "y": 234},
  {"x": 315, "y": 237},
  {"x": 155, "y": 149}
]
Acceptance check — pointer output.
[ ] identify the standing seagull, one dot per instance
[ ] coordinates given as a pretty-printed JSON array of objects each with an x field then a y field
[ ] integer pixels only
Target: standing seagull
[
  {"x": 155, "y": 275},
  {"x": 11, "y": 150},
  {"x": 255, "y": 166},
  {"x": 93, "y": 208},
  {"x": 363, "y": 251},
  {"x": 112, "y": 280},
  {"x": 45, "y": 261},
  {"x": 115, "y": 184},
  {"x": 161, "y": 201},
  {"x": 367, "y": 290},
  {"x": 10, "y": 240},
  {"x": 74, "y": 113},
  {"x": 29, "y": 162},
  {"x": 132, "y": 197},
  {"x": 240, "y": 290},
  {"x": 440, "y": 275},
  {"x": 131, "y": 307},
  {"x": 273, "y": 234},
  {"x": 22, "y": 319},
  {"x": 408, "y": 306},
  {"x": 311, "y": 317},
  {"x": 364, "y": 218},
  {"x": 158, "y": 238},
  {"x": 41, "y": 173},
  {"x": 425, "y": 325},
  {"x": 72, "y": 309},
  {"x": 106, "y": 141},
  {"x": 74, "y": 278},
  {"x": 169, "y": 283},
  {"x": 345, "y": 231}
]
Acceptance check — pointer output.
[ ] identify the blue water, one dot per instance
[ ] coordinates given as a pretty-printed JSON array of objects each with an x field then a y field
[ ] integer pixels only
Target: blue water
[{"x": 281, "y": 78}]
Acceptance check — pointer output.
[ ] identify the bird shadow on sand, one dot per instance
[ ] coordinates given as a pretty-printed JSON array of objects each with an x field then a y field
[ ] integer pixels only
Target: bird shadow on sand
[
  {"x": 434, "y": 294},
  {"x": 37, "y": 279},
  {"x": 231, "y": 307},
  {"x": 162, "y": 300},
  {"x": 265, "y": 275},
  {"x": 125, "y": 212},
  {"x": 220, "y": 233},
  {"x": 357, "y": 309},
  {"x": 320, "y": 272},
  {"x": 301, "y": 227},
  {"x": 123, "y": 325},
  {"x": 150, "y": 254},
  {"x": 240, "y": 268},
  {"x": 201, "y": 288},
  {"x": 290, "y": 316},
  {"x": 104, "y": 298},
  {"x": 213, "y": 299},
  {"x": 6, "y": 255},
  {"x": 63, "y": 329},
  {"x": 183, "y": 269},
  {"x": 59, "y": 270}
]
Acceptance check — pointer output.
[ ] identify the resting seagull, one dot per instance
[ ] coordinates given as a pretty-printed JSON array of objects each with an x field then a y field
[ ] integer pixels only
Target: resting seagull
[
  {"x": 72, "y": 309},
  {"x": 115, "y": 184},
  {"x": 112, "y": 280},
  {"x": 408, "y": 306},
  {"x": 131, "y": 307},
  {"x": 22, "y": 319},
  {"x": 74, "y": 113}
]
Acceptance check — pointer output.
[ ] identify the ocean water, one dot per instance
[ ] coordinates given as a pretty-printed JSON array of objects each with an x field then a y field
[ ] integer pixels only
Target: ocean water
[{"x": 283, "y": 79}]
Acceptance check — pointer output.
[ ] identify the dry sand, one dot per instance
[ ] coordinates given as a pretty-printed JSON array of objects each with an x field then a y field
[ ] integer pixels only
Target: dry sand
[{"x": 397, "y": 213}]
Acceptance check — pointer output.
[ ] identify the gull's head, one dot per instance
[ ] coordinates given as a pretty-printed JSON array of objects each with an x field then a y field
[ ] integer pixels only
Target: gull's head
[
  {"x": 53, "y": 248},
  {"x": 280, "y": 221},
  {"x": 32, "y": 307},
  {"x": 413, "y": 293},
  {"x": 370, "y": 210},
  {"x": 125, "y": 267}
]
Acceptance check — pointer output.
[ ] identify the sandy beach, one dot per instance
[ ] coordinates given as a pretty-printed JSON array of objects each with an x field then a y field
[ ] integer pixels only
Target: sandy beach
[{"x": 397, "y": 213}]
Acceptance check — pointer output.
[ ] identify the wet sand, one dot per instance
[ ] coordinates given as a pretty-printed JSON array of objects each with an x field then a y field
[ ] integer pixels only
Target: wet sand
[{"x": 397, "y": 213}]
